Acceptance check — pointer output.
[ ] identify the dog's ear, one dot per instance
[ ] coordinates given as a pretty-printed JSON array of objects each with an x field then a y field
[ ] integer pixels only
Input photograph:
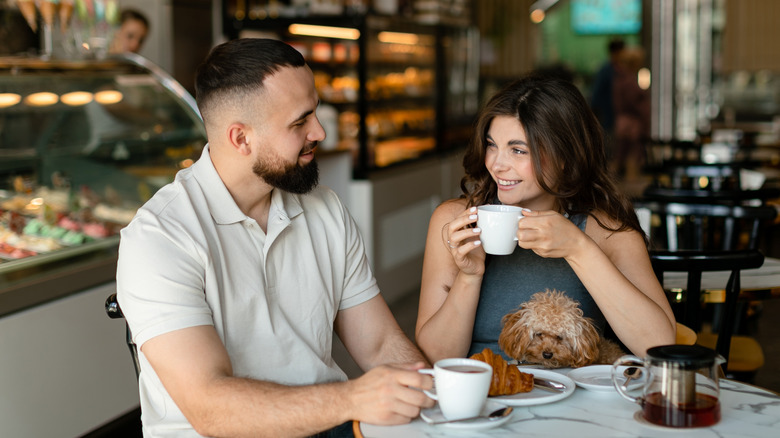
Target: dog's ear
[
  {"x": 585, "y": 343},
  {"x": 515, "y": 335}
]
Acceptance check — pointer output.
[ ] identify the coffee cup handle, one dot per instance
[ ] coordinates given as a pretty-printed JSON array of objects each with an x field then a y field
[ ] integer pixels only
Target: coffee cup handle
[
  {"x": 625, "y": 360},
  {"x": 428, "y": 371},
  {"x": 519, "y": 216}
]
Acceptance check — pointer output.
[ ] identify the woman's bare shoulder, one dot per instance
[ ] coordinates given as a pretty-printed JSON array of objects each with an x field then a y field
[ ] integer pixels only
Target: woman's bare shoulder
[
  {"x": 450, "y": 208},
  {"x": 605, "y": 235}
]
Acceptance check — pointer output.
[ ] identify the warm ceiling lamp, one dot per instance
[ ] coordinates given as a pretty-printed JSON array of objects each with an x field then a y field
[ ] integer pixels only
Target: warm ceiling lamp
[
  {"x": 44, "y": 98},
  {"x": 108, "y": 97},
  {"x": 398, "y": 38},
  {"x": 643, "y": 78},
  {"x": 76, "y": 98},
  {"x": 539, "y": 10},
  {"x": 537, "y": 16},
  {"x": 343, "y": 33},
  {"x": 9, "y": 99}
]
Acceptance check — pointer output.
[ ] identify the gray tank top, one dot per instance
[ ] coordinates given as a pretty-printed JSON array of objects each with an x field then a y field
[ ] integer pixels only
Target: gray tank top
[{"x": 510, "y": 281}]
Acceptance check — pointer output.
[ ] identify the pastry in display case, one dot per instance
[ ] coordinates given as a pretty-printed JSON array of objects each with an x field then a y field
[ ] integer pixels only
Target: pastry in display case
[
  {"x": 400, "y": 89},
  {"x": 83, "y": 144}
]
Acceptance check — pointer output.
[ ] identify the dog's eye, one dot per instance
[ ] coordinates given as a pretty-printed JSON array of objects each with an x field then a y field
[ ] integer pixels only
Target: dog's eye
[
  {"x": 538, "y": 334},
  {"x": 560, "y": 338}
]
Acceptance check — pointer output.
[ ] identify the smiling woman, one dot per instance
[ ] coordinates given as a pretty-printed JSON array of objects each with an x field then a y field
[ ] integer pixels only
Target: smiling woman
[{"x": 537, "y": 145}]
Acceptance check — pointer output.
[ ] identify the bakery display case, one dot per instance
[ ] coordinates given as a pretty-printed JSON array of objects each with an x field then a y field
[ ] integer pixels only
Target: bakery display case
[
  {"x": 392, "y": 90},
  {"x": 83, "y": 144},
  {"x": 399, "y": 91}
]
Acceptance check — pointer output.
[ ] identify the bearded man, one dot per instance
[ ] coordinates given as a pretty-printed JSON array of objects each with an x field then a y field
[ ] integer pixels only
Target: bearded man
[{"x": 234, "y": 277}]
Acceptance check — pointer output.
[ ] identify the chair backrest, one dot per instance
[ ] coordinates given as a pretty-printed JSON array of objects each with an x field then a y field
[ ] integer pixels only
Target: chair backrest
[
  {"x": 697, "y": 262},
  {"x": 704, "y": 176},
  {"x": 699, "y": 196},
  {"x": 697, "y": 226},
  {"x": 115, "y": 312}
]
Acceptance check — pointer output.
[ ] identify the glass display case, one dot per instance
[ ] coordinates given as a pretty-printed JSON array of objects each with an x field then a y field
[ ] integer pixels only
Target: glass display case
[
  {"x": 392, "y": 90},
  {"x": 83, "y": 144}
]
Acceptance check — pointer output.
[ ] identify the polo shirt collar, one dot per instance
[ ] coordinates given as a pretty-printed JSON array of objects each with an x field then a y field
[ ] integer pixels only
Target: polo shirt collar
[{"x": 223, "y": 207}]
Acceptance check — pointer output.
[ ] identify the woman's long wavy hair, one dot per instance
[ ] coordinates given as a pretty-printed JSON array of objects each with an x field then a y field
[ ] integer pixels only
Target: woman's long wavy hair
[{"x": 566, "y": 145}]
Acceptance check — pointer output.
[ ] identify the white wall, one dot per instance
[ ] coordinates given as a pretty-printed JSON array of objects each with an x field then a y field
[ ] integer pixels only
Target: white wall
[
  {"x": 392, "y": 210},
  {"x": 64, "y": 368}
]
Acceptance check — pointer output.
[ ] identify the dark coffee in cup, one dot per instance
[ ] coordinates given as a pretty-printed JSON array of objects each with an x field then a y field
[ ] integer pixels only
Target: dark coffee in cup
[{"x": 465, "y": 369}]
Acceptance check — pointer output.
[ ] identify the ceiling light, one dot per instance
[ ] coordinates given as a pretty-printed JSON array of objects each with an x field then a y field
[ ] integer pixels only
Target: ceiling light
[
  {"x": 76, "y": 98},
  {"x": 537, "y": 16},
  {"x": 398, "y": 38},
  {"x": 44, "y": 98},
  {"x": 344, "y": 33},
  {"x": 108, "y": 97},
  {"x": 9, "y": 99}
]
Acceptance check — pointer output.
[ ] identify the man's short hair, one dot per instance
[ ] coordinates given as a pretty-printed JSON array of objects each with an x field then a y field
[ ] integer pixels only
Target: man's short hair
[{"x": 239, "y": 67}]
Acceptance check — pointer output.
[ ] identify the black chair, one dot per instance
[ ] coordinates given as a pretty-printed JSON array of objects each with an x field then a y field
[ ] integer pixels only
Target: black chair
[
  {"x": 704, "y": 176},
  {"x": 676, "y": 225},
  {"x": 750, "y": 355},
  {"x": 755, "y": 197},
  {"x": 115, "y": 312}
]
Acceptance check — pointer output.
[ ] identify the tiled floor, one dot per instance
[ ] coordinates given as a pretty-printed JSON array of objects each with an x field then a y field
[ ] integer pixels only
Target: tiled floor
[{"x": 767, "y": 334}]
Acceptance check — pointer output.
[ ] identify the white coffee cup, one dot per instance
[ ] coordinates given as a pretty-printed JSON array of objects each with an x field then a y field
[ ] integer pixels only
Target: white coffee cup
[
  {"x": 462, "y": 386},
  {"x": 499, "y": 227}
]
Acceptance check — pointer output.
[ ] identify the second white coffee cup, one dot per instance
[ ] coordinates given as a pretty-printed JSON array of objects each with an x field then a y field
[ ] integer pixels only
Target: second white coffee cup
[
  {"x": 462, "y": 386},
  {"x": 499, "y": 228}
]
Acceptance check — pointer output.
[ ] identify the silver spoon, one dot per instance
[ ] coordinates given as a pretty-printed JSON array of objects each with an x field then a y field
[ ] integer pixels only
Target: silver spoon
[
  {"x": 631, "y": 373},
  {"x": 495, "y": 415}
]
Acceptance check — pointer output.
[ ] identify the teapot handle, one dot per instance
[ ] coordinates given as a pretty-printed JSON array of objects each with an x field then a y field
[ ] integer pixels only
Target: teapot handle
[{"x": 625, "y": 360}]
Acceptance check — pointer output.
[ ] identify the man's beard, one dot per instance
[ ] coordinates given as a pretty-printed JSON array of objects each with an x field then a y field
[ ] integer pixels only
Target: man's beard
[{"x": 292, "y": 177}]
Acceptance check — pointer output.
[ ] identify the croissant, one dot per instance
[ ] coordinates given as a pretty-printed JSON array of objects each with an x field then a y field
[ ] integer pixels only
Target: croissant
[{"x": 507, "y": 379}]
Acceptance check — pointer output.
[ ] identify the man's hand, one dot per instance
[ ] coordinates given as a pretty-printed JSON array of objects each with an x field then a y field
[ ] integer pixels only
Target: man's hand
[{"x": 390, "y": 394}]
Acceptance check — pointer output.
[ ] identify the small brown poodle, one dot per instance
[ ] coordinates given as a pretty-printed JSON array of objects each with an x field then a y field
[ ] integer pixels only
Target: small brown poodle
[{"x": 551, "y": 330}]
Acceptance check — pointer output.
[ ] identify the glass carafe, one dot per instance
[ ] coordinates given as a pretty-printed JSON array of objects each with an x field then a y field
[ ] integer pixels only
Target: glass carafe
[{"x": 680, "y": 387}]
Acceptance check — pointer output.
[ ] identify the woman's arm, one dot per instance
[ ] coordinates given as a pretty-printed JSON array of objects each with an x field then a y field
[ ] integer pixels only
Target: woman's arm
[
  {"x": 615, "y": 269},
  {"x": 451, "y": 280}
]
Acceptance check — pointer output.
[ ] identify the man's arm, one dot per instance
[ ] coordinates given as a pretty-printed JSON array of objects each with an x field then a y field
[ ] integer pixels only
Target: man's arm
[
  {"x": 372, "y": 335},
  {"x": 195, "y": 369}
]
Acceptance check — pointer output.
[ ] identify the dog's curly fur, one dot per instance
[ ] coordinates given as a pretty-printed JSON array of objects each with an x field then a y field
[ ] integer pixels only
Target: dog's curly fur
[{"x": 551, "y": 330}]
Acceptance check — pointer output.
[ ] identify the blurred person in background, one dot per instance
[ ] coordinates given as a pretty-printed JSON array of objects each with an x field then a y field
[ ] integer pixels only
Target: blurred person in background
[
  {"x": 133, "y": 29},
  {"x": 601, "y": 101},
  {"x": 632, "y": 115}
]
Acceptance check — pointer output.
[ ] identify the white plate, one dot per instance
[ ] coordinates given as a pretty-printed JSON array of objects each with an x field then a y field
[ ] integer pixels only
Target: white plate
[
  {"x": 434, "y": 414},
  {"x": 599, "y": 378},
  {"x": 538, "y": 396}
]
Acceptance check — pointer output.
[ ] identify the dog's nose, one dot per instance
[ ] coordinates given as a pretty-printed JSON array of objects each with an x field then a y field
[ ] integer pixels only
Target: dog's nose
[{"x": 547, "y": 355}]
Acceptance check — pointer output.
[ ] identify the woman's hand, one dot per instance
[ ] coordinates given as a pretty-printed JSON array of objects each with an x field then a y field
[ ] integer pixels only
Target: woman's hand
[
  {"x": 464, "y": 244},
  {"x": 549, "y": 234}
]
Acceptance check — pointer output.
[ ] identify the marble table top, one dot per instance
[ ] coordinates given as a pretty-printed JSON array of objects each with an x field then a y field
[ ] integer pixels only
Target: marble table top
[{"x": 746, "y": 411}]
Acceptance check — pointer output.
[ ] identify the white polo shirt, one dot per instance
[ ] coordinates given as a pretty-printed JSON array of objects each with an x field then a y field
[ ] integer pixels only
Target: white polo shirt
[{"x": 190, "y": 257}]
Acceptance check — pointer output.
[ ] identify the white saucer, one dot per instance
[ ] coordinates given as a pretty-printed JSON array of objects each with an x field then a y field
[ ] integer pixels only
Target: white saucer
[
  {"x": 539, "y": 396},
  {"x": 599, "y": 378},
  {"x": 434, "y": 414}
]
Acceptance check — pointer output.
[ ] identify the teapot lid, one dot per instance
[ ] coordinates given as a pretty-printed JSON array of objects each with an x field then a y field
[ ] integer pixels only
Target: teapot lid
[{"x": 684, "y": 356}]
